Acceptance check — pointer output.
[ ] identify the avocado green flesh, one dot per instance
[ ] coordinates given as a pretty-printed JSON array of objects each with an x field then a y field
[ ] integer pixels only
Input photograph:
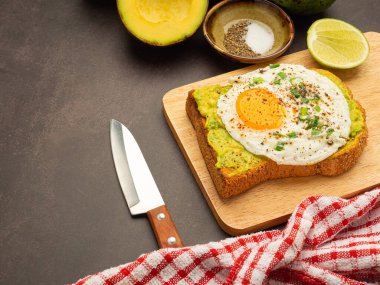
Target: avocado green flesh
[{"x": 230, "y": 153}]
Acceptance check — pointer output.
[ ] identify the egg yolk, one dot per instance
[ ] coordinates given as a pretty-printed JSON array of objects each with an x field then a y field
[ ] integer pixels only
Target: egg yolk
[{"x": 260, "y": 109}]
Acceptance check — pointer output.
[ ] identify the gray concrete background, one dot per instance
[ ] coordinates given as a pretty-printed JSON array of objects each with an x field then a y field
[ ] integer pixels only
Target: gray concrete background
[{"x": 66, "y": 69}]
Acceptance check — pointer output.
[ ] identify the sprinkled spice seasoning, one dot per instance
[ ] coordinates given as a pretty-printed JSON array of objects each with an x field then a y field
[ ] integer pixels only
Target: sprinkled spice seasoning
[{"x": 234, "y": 39}]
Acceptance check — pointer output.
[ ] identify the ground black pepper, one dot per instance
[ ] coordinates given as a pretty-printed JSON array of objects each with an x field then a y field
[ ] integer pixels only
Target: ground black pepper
[{"x": 234, "y": 40}]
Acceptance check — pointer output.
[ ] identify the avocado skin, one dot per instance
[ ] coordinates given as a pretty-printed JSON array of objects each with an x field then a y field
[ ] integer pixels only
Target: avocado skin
[{"x": 304, "y": 7}]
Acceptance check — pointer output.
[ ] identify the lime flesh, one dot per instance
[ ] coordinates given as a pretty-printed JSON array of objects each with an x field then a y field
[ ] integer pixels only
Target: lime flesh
[{"x": 337, "y": 44}]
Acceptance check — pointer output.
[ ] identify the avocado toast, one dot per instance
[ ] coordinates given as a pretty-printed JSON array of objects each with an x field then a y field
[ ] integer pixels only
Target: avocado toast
[{"x": 233, "y": 174}]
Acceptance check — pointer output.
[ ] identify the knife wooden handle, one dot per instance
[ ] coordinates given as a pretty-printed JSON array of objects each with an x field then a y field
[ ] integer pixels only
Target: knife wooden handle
[{"x": 164, "y": 229}]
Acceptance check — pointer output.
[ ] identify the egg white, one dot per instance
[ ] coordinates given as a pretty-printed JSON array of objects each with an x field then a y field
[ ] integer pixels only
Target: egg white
[{"x": 306, "y": 148}]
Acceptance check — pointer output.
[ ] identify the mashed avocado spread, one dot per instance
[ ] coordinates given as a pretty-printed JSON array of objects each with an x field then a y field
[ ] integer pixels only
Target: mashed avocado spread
[{"x": 231, "y": 154}]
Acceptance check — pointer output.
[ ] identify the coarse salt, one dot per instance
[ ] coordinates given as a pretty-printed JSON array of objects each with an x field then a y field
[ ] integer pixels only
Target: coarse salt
[{"x": 259, "y": 38}]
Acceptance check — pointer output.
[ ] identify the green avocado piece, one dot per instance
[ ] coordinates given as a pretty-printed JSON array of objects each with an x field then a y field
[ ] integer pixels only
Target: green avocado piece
[{"x": 304, "y": 7}]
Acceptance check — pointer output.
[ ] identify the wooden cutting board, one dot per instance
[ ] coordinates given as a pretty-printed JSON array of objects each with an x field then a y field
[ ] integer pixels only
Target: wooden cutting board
[{"x": 272, "y": 202}]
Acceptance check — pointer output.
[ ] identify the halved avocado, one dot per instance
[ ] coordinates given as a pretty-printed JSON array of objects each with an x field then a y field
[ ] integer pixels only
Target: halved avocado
[{"x": 162, "y": 22}]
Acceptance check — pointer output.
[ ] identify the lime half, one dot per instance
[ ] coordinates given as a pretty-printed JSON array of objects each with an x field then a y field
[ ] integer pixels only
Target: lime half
[{"x": 337, "y": 44}]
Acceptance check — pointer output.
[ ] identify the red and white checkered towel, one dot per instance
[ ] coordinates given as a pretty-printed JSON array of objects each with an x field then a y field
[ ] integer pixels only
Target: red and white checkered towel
[{"x": 328, "y": 240}]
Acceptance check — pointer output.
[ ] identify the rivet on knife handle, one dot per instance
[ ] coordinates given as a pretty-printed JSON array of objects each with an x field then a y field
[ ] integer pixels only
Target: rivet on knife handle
[{"x": 163, "y": 227}]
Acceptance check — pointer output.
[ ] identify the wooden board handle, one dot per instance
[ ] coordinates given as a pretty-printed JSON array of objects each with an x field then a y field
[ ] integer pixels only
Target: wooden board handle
[{"x": 164, "y": 229}]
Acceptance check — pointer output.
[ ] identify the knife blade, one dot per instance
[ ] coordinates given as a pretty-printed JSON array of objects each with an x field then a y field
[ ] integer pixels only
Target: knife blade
[{"x": 138, "y": 186}]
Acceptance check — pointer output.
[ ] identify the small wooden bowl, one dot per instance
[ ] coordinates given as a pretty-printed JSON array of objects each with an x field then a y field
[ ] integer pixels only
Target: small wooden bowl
[{"x": 264, "y": 11}]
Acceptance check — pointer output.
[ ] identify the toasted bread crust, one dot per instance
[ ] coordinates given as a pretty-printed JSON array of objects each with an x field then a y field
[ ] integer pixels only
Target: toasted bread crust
[{"x": 268, "y": 169}]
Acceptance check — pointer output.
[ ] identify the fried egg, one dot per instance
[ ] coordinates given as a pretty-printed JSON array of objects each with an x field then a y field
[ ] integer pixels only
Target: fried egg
[{"x": 288, "y": 113}]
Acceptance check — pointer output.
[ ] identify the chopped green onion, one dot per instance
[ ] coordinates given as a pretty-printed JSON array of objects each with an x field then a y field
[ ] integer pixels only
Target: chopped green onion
[
  {"x": 315, "y": 132},
  {"x": 280, "y": 146},
  {"x": 257, "y": 80},
  {"x": 304, "y": 111},
  {"x": 282, "y": 75},
  {"x": 305, "y": 100},
  {"x": 292, "y": 135},
  {"x": 302, "y": 89},
  {"x": 317, "y": 108},
  {"x": 329, "y": 132},
  {"x": 295, "y": 92},
  {"x": 274, "y": 65},
  {"x": 304, "y": 115},
  {"x": 277, "y": 81},
  {"x": 313, "y": 123}
]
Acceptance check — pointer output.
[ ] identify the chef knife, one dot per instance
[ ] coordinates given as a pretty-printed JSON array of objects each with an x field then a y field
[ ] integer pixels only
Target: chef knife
[{"x": 138, "y": 186}]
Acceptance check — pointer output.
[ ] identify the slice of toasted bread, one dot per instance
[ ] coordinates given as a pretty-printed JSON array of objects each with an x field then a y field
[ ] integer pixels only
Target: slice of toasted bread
[{"x": 228, "y": 186}]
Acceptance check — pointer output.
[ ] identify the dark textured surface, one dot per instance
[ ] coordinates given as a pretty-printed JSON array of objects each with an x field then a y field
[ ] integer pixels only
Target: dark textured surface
[{"x": 66, "y": 69}]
